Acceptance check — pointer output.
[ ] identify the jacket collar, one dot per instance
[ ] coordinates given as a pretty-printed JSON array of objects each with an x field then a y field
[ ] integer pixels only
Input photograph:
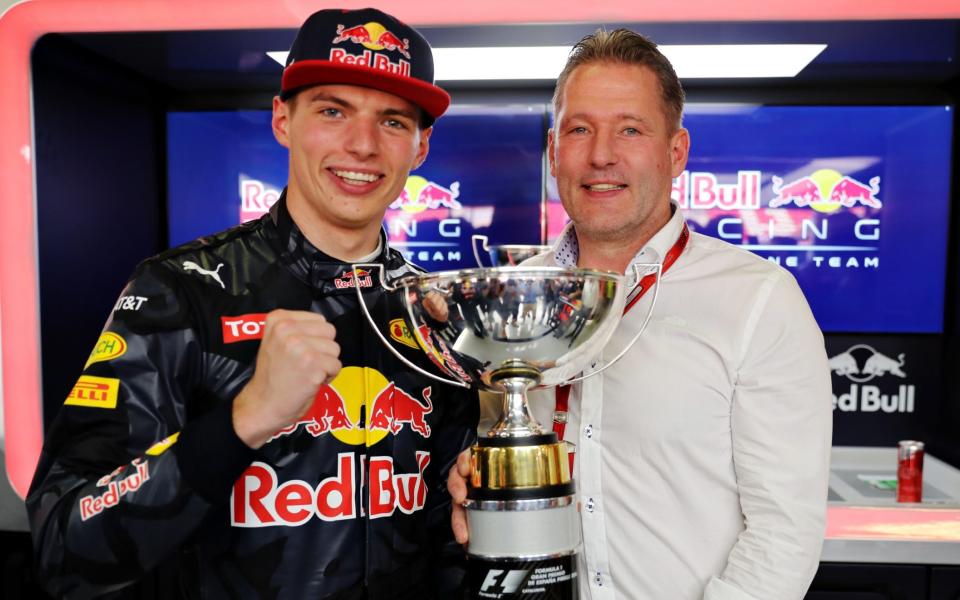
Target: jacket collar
[{"x": 310, "y": 264}]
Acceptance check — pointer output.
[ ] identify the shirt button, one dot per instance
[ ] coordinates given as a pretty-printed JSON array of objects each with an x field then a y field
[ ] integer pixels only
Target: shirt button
[
  {"x": 598, "y": 578},
  {"x": 590, "y": 504},
  {"x": 588, "y": 431}
]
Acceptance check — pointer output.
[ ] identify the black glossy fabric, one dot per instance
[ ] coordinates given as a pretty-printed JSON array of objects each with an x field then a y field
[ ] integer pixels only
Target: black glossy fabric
[{"x": 343, "y": 505}]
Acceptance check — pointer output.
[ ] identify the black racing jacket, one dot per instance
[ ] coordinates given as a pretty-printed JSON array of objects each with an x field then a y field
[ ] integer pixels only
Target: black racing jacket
[{"x": 142, "y": 473}]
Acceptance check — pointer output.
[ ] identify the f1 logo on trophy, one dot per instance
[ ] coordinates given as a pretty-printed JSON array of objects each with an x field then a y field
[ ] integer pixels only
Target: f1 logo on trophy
[{"x": 507, "y": 330}]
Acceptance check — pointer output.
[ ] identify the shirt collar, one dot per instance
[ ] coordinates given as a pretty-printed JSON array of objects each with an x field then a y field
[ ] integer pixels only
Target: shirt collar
[{"x": 566, "y": 249}]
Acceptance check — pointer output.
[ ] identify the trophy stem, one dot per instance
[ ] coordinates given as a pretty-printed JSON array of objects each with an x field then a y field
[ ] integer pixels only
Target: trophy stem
[{"x": 516, "y": 421}]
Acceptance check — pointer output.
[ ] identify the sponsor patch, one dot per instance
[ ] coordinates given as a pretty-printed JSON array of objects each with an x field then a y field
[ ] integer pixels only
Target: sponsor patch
[
  {"x": 129, "y": 303},
  {"x": 108, "y": 347},
  {"x": 93, "y": 505},
  {"x": 400, "y": 333},
  {"x": 346, "y": 279},
  {"x": 242, "y": 328},
  {"x": 162, "y": 446},
  {"x": 95, "y": 392}
]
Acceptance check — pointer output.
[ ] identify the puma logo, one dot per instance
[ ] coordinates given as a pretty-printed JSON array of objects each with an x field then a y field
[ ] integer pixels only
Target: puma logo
[{"x": 189, "y": 265}]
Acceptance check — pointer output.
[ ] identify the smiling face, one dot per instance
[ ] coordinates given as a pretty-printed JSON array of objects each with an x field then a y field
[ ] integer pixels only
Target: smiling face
[
  {"x": 351, "y": 149},
  {"x": 614, "y": 153}
]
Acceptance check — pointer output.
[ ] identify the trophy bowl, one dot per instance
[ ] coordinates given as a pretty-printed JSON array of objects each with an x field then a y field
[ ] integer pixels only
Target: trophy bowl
[{"x": 483, "y": 325}]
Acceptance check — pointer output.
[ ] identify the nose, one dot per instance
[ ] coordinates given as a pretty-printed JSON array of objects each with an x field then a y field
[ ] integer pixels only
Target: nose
[
  {"x": 602, "y": 150},
  {"x": 362, "y": 138}
]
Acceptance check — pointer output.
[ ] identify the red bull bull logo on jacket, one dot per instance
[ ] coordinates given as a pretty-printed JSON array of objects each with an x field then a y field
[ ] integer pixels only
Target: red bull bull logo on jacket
[
  {"x": 376, "y": 39},
  {"x": 356, "y": 391},
  {"x": 346, "y": 280},
  {"x": 261, "y": 499}
]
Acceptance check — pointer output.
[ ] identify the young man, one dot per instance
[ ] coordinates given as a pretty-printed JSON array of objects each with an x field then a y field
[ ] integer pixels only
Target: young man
[
  {"x": 237, "y": 431},
  {"x": 702, "y": 457}
]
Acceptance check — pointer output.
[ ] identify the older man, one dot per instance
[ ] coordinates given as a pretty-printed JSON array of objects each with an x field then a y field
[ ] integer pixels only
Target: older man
[{"x": 702, "y": 457}]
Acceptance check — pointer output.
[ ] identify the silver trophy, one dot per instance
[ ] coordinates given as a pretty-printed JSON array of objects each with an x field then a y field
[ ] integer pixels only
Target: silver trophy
[
  {"x": 503, "y": 255},
  {"x": 507, "y": 330}
]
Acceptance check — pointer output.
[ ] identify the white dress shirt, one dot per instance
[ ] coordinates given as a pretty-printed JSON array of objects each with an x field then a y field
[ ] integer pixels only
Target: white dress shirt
[{"x": 702, "y": 456}]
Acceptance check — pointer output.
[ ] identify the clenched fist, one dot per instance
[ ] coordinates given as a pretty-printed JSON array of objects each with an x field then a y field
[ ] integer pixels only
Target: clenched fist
[{"x": 297, "y": 355}]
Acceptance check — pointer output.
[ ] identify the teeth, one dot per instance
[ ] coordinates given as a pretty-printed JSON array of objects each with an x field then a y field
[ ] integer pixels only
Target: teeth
[
  {"x": 354, "y": 177},
  {"x": 604, "y": 187}
]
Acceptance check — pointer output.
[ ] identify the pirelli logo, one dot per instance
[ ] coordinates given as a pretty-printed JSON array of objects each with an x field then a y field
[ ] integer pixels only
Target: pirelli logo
[{"x": 95, "y": 392}]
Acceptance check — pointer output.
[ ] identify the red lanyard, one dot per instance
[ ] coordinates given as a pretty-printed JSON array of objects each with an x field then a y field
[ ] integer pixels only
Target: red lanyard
[{"x": 642, "y": 287}]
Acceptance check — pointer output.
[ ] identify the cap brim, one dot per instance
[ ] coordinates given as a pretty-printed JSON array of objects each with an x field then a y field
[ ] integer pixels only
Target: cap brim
[{"x": 429, "y": 97}]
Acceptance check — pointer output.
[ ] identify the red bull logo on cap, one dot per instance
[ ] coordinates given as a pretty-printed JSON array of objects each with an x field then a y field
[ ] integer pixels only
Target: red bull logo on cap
[
  {"x": 419, "y": 194},
  {"x": 338, "y": 407},
  {"x": 375, "y": 38},
  {"x": 826, "y": 191}
]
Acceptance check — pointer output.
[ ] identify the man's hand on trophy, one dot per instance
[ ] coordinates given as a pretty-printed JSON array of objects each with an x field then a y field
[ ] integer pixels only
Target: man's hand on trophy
[
  {"x": 297, "y": 355},
  {"x": 457, "y": 486}
]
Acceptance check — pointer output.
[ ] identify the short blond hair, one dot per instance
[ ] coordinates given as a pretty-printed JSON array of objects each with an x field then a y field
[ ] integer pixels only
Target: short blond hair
[{"x": 626, "y": 47}]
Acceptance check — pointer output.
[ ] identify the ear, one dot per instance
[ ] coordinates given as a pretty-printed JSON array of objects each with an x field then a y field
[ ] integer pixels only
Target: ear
[
  {"x": 280, "y": 121},
  {"x": 679, "y": 151},
  {"x": 551, "y": 160},
  {"x": 423, "y": 147}
]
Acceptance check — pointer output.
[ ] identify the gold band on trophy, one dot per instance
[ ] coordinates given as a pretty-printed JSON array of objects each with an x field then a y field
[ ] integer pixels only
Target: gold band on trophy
[{"x": 517, "y": 467}]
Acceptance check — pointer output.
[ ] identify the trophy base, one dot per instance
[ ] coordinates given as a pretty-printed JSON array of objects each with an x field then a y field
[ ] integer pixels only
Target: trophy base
[
  {"x": 523, "y": 520},
  {"x": 553, "y": 578}
]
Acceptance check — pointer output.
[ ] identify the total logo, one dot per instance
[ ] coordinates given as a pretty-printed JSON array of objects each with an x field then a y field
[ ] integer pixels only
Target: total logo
[
  {"x": 340, "y": 406},
  {"x": 419, "y": 194},
  {"x": 826, "y": 190},
  {"x": 862, "y": 363},
  {"x": 374, "y": 37}
]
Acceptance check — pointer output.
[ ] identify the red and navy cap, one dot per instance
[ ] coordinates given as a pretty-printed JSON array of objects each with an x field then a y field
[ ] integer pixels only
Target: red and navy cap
[{"x": 368, "y": 48}]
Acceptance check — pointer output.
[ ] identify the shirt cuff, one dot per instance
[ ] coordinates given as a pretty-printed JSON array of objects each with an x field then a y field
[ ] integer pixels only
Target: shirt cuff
[{"x": 719, "y": 589}]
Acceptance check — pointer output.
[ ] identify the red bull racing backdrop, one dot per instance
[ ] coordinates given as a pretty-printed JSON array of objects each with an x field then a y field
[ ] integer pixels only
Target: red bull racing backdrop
[
  {"x": 852, "y": 200},
  {"x": 483, "y": 175}
]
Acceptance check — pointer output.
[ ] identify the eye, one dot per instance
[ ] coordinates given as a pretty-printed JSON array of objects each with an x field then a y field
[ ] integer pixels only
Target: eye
[
  {"x": 579, "y": 130},
  {"x": 330, "y": 112},
  {"x": 395, "y": 124},
  {"x": 631, "y": 131}
]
